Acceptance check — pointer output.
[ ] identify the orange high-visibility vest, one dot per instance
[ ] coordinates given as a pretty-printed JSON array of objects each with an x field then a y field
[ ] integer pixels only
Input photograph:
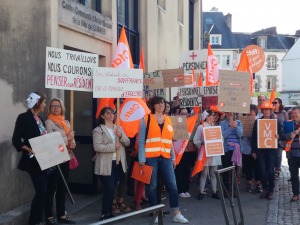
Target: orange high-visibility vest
[{"x": 159, "y": 143}]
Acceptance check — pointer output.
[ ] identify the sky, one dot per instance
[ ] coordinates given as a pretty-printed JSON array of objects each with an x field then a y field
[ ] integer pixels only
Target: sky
[{"x": 253, "y": 15}]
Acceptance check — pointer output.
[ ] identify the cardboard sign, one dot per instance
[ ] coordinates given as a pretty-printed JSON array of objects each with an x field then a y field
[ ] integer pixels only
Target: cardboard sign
[
  {"x": 180, "y": 127},
  {"x": 49, "y": 150},
  {"x": 266, "y": 131},
  {"x": 193, "y": 59},
  {"x": 118, "y": 83},
  {"x": 256, "y": 57},
  {"x": 192, "y": 96},
  {"x": 213, "y": 141},
  {"x": 247, "y": 122},
  {"x": 234, "y": 88},
  {"x": 153, "y": 84},
  {"x": 173, "y": 77},
  {"x": 69, "y": 70}
]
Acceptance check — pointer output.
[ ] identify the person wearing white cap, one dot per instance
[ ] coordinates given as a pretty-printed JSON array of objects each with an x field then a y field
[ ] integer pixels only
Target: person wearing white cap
[
  {"x": 29, "y": 125},
  {"x": 211, "y": 163}
]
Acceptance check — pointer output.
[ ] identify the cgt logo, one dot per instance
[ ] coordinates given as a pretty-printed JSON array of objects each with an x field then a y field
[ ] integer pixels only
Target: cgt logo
[
  {"x": 121, "y": 60},
  {"x": 132, "y": 111}
]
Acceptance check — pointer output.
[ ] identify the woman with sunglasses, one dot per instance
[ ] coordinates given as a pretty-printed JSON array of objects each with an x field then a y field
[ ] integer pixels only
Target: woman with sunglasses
[
  {"x": 281, "y": 116},
  {"x": 212, "y": 163},
  {"x": 106, "y": 166}
]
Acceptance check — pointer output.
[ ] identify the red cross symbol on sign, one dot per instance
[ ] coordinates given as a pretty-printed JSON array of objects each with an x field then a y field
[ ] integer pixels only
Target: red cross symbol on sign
[{"x": 193, "y": 55}]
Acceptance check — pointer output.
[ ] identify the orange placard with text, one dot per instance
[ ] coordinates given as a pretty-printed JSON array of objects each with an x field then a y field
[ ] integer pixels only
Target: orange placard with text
[
  {"x": 213, "y": 141},
  {"x": 266, "y": 131}
]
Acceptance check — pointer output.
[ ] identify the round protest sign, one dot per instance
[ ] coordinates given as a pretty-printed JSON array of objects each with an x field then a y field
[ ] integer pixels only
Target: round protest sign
[{"x": 256, "y": 56}]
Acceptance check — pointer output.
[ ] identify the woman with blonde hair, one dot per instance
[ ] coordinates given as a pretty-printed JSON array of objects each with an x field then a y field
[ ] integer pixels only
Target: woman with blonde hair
[{"x": 56, "y": 123}]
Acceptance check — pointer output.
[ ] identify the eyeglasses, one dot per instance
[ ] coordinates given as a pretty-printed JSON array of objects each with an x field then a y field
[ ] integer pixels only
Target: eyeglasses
[
  {"x": 55, "y": 106},
  {"x": 274, "y": 103}
]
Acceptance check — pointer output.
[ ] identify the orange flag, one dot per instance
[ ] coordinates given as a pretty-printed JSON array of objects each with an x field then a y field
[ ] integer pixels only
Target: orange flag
[
  {"x": 131, "y": 112},
  {"x": 272, "y": 96},
  {"x": 194, "y": 77},
  {"x": 212, "y": 68},
  {"x": 200, "y": 82},
  {"x": 180, "y": 145},
  {"x": 200, "y": 161},
  {"x": 121, "y": 59},
  {"x": 246, "y": 67},
  {"x": 142, "y": 63}
]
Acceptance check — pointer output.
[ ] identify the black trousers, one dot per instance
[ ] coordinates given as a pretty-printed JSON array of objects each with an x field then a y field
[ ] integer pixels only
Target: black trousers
[
  {"x": 226, "y": 162},
  {"x": 39, "y": 181},
  {"x": 56, "y": 185},
  {"x": 250, "y": 168},
  {"x": 294, "y": 164}
]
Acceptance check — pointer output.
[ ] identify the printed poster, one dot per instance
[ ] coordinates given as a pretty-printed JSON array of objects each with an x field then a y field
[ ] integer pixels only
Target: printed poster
[
  {"x": 266, "y": 131},
  {"x": 49, "y": 150},
  {"x": 213, "y": 141}
]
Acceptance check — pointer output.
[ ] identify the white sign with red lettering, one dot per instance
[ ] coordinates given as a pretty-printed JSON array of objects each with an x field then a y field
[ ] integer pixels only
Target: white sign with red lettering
[
  {"x": 70, "y": 70},
  {"x": 118, "y": 83}
]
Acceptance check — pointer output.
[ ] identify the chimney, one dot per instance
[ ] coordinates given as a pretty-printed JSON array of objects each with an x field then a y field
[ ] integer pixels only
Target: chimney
[{"x": 228, "y": 20}]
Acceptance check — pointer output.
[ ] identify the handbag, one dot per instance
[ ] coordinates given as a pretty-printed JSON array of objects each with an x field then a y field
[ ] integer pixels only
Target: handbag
[{"x": 73, "y": 163}]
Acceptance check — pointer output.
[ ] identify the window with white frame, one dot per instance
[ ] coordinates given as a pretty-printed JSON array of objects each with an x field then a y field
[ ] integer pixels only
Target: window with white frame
[
  {"x": 225, "y": 61},
  {"x": 262, "y": 42},
  {"x": 271, "y": 62},
  {"x": 215, "y": 39},
  {"x": 271, "y": 82},
  {"x": 257, "y": 83}
]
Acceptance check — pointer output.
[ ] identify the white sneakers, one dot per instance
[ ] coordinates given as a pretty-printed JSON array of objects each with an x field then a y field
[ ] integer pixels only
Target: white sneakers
[
  {"x": 185, "y": 195},
  {"x": 179, "y": 218}
]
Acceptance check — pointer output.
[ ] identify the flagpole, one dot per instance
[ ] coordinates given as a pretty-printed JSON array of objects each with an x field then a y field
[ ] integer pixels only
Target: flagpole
[
  {"x": 71, "y": 110},
  {"x": 118, "y": 127}
]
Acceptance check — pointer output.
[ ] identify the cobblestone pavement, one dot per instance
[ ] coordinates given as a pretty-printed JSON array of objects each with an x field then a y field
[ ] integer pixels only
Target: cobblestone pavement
[{"x": 281, "y": 210}]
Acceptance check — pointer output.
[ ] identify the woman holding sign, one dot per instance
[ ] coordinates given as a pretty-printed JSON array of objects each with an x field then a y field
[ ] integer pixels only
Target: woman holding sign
[
  {"x": 106, "y": 166},
  {"x": 211, "y": 164},
  {"x": 266, "y": 156},
  {"x": 56, "y": 123},
  {"x": 30, "y": 125},
  {"x": 156, "y": 150}
]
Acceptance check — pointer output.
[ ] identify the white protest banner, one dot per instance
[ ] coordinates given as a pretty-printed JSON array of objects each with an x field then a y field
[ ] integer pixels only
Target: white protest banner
[
  {"x": 193, "y": 59},
  {"x": 154, "y": 84},
  {"x": 69, "y": 70},
  {"x": 192, "y": 96},
  {"x": 49, "y": 150},
  {"x": 118, "y": 83},
  {"x": 234, "y": 91},
  {"x": 266, "y": 131},
  {"x": 213, "y": 141}
]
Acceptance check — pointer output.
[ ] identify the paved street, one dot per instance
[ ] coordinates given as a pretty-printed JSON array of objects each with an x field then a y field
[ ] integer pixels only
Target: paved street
[{"x": 256, "y": 211}]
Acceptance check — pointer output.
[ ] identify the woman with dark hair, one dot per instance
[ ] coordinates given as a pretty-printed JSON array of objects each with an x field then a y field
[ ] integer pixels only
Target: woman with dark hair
[
  {"x": 106, "y": 145},
  {"x": 156, "y": 150},
  {"x": 281, "y": 116},
  {"x": 56, "y": 123},
  {"x": 168, "y": 109},
  {"x": 30, "y": 125}
]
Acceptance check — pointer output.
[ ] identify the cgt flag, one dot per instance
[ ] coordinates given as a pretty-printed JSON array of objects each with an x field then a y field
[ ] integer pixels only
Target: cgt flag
[
  {"x": 131, "y": 113},
  {"x": 212, "y": 68},
  {"x": 121, "y": 59}
]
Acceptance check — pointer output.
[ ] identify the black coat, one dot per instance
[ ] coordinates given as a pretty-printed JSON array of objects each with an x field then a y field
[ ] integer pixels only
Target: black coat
[{"x": 26, "y": 128}]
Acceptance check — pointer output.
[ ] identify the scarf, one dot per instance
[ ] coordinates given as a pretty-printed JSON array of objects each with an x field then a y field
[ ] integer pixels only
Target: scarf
[{"x": 60, "y": 121}]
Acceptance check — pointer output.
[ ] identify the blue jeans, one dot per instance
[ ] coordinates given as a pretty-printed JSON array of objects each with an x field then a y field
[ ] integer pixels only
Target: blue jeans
[
  {"x": 266, "y": 159},
  {"x": 165, "y": 168},
  {"x": 110, "y": 184}
]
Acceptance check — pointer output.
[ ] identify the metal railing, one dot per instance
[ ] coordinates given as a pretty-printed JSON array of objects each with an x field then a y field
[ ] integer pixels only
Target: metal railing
[
  {"x": 156, "y": 210},
  {"x": 234, "y": 193}
]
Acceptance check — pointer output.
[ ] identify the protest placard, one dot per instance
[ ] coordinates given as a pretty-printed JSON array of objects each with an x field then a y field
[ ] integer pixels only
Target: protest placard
[
  {"x": 234, "y": 88},
  {"x": 69, "y": 70},
  {"x": 173, "y": 77},
  {"x": 118, "y": 83},
  {"x": 213, "y": 141},
  {"x": 256, "y": 57},
  {"x": 247, "y": 122},
  {"x": 180, "y": 127},
  {"x": 193, "y": 59},
  {"x": 49, "y": 150},
  {"x": 192, "y": 96},
  {"x": 153, "y": 84},
  {"x": 266, "y": 130}
]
